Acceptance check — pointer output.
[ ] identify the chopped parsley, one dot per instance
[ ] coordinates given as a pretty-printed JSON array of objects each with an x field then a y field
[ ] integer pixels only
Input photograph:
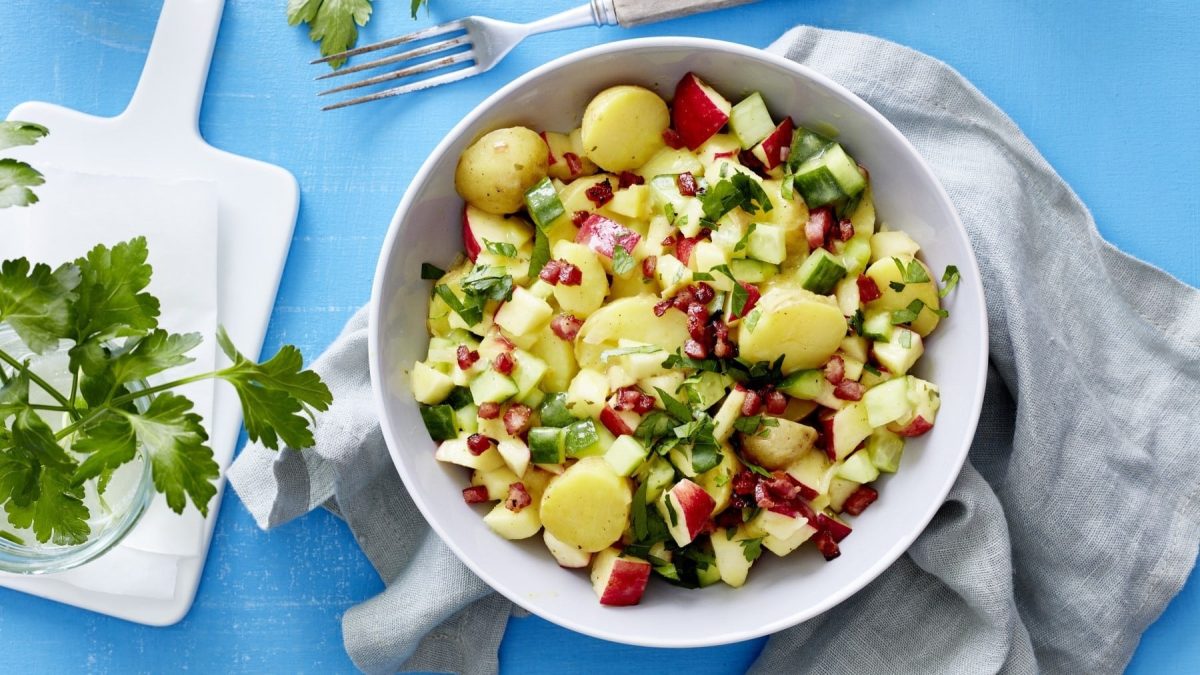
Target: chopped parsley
[
  {"x": 745, "y": 240},
  {"x": 500, "y": 248},
  {"x": 910, "y": 313},
  {"x": 431, "y": 272},
  {"x": 950, "y": 278},
  {"x": 739, "y": 190},
  {"x": 622, "y": 262},
  {"x": 751, "y": 548}
]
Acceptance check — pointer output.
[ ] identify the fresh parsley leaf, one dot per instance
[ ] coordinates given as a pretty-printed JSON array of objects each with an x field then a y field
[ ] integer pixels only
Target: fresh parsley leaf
[
  {"x": 751, "y": 548},
  {"x": 856, "y": 321},
  {"x": 950, "y": 279},
  {"x": 748, "y": 425},
  {"x": 723, "y": 479},
  {"x": 706, "y": 453},
  {"x": 16, "y": 177},
  {"x": 724, "y": 269},
  {"x": 56, "y": 515},
  {"x": 14, "y": 396},
  {"x": 488, "y": 282},
  {"x": 675, "y": 407},
  {"x": 471, "y": 313},
  {"x": 181, "y": 463},
  {"x": 754, "y": 468},
  {"x": 622, "y": 262},
  {"x": 745, "y": 240},
  {"x": 541, "y": 252},
  {"x": 896, "y": 286},
  {"x": 111, "y": 294},
  {"x": 671, "y": 512},
  {"x": 740, "y": 297},
  {"x": 608, "y": 354},
  {"x": 416, "y": 5},
  {"x": 333, "y": 23},
  {"x": 500, "y": 248},
  {"x": 141, "y": 357},
  {"x": 653, "y": 426},
  {"x": 14, "y": 133},
  {"x": 915, "y": 273},
  {"x": 701, "y": 276},
  {"x": 678, "y": 360},
  {"x": 431, "y": 272},
  {"x": 35, "y": 301},
  {"x": 871, "y": 369},
  {"x": 277, "y": 395},
  {"x": 739, "y": 190},
  {"x": 908, "y": 314},
  {"x": 108, "y": 444}
]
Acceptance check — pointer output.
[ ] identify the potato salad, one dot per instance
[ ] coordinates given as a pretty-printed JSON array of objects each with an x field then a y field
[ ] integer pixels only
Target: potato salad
[{"x": 678, "y": 336}]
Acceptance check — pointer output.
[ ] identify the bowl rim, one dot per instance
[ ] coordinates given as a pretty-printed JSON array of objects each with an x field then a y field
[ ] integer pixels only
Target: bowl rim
[{"x": 700, "y": 44}]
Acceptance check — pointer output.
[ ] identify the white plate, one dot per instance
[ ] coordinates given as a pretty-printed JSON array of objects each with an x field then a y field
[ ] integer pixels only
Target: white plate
[{"x": 780, "y": 592}]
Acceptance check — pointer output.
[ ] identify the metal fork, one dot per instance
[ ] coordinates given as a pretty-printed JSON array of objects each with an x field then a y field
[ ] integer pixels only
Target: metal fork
[{"x": 488, "y": 40}]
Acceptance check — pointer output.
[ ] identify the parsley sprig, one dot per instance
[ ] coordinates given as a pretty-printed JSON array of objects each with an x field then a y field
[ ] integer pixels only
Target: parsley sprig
[
  {"x": 98, "y": 304},
  {"x": 335, "y": 23},
  {"x": 17, "y": 177}
]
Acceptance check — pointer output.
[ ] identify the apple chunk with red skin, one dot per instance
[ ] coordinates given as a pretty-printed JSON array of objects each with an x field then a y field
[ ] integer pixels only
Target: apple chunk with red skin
[
  {"x": 619, "y": 581},
  {"x": 772, "y": 151},
  {"x": 603, "y": 235},
  {"x": 691, "y": 506},
  {"x": 479, "y": 226},
  {"x": 698, "y": 111}
]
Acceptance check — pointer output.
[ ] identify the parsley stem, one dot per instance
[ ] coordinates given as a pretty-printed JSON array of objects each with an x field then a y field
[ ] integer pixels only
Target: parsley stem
[
  {"x": 166, "y": 386},
  {"x": 35, "y": 378},
  {"x": 52, "y": 408}
]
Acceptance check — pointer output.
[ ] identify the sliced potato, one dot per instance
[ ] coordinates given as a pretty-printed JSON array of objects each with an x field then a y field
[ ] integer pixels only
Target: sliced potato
[
  {"x": 884, "y": 272},
  {"x": 559, "y": 355},
  {"x": 630, "y": 319},
  {"x": 718, "y": 481},
  {"x": 494, "y": 172},
  {"x": 805, "y": 328},
  {"x": 587, "y": 506},
  {"x": 585, "y": 298},
  {"x": 778, "y": 446},
  {"x": 623, "y": 127}
]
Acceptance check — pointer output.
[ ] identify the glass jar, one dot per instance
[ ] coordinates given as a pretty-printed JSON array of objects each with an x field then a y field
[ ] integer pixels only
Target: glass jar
[{"x": 114, "y": 508}]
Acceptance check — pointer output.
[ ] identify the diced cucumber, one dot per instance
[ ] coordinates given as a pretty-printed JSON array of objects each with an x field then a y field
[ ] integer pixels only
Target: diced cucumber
[
  {"x": 856, "y": 255},
  {"x": 656, "y": 474},
  {"x": 430, "y": 385},
  {"x": 492, "y": 387},
  {"x": 543, "y": 203},
  {"x": 665, "y": 190},
  {"x": 533, "y": 398},
  {"x": 900, "y": 352},
  {"x": 554, "y": 412},
  {"x": 858, "y": 468},
  {"x": 528, "y": 372},
  {"x": 820, "y": 272},
  {"x": 877, "y": 325},
  {"x": 459, "y": 397},
  {"x": 442, "y": 350},
  {"x": 681, "y": 458},
  {"x": 752, "y": 271},
  {"x": 804, "y": 384},
  {"x": 805, "y": 145},
  {"x": 767, "y": 243},
  {"x": 439, "y": 421},
  {"x": 885, "y": 448},
  {"x": 887, "y": 402},
  {"x": 468, "y": 418},
  {"x": 546, "y": 445},
  {"x": 750, "y": 121},
  {"x": 625, "y": 455},
  {"x": 705, "y": 388},
  {"x": 828, "y": 177},
  {"x": 707, "y": 574},
  {"x": 586, "y": 439}
]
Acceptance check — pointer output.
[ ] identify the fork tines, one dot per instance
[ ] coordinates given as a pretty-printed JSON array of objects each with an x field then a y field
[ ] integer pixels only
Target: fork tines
[{"x": 404, "y": 62}]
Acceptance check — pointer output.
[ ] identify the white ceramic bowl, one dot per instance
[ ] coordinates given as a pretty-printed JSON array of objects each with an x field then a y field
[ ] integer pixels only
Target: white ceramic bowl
[{"x": 780, "y": 592}]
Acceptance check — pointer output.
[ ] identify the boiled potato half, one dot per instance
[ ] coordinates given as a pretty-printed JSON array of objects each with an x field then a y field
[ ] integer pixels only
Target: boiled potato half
[
  {"x": 780, "y": 445},
  {"x": 803, "y": 327},
  {"x": 587, "y": 507},
  {"x": 495, "y": 171},
  {"x": 630, "y": 319},
  {"x": 885, "y": 271},
  {"x": 623, "y": 127}
]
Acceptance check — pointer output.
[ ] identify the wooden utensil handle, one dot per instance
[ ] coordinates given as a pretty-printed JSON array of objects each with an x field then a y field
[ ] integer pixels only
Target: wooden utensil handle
[{"x": 637, "y": 12}]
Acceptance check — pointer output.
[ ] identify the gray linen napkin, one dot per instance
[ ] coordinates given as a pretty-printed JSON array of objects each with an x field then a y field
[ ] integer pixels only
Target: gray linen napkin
[{"x": 1073, "y": 524}]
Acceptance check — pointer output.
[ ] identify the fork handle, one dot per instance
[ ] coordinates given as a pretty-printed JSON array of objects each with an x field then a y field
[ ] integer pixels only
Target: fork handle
[{"x": 638, "y": 12}]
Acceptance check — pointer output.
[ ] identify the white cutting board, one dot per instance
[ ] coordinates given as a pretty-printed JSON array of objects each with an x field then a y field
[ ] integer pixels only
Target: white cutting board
[{"x": 158, "y": 136}]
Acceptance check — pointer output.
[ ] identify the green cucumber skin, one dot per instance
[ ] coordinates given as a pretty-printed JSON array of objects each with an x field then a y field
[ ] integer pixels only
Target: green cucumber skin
[
  {"x": 543, "y": 203},
  {"x": 439, "y": 421},
  {"x": 820, "y": 272},
  {"x": 804, "y": 384},
  {"x": 580, "y": 436},
  {"x": 554, "y": 412},
  {"x": 806, "y": 144},
  {"x": 546, "y": 445}
]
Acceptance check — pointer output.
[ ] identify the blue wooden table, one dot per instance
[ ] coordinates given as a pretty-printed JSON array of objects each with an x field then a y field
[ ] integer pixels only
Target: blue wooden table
[{"x": 1108, "y": 91}]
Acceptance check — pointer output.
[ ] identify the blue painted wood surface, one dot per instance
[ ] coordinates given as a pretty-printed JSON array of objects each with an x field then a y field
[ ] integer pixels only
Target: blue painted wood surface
[{"x": 1109, "y": 92}]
